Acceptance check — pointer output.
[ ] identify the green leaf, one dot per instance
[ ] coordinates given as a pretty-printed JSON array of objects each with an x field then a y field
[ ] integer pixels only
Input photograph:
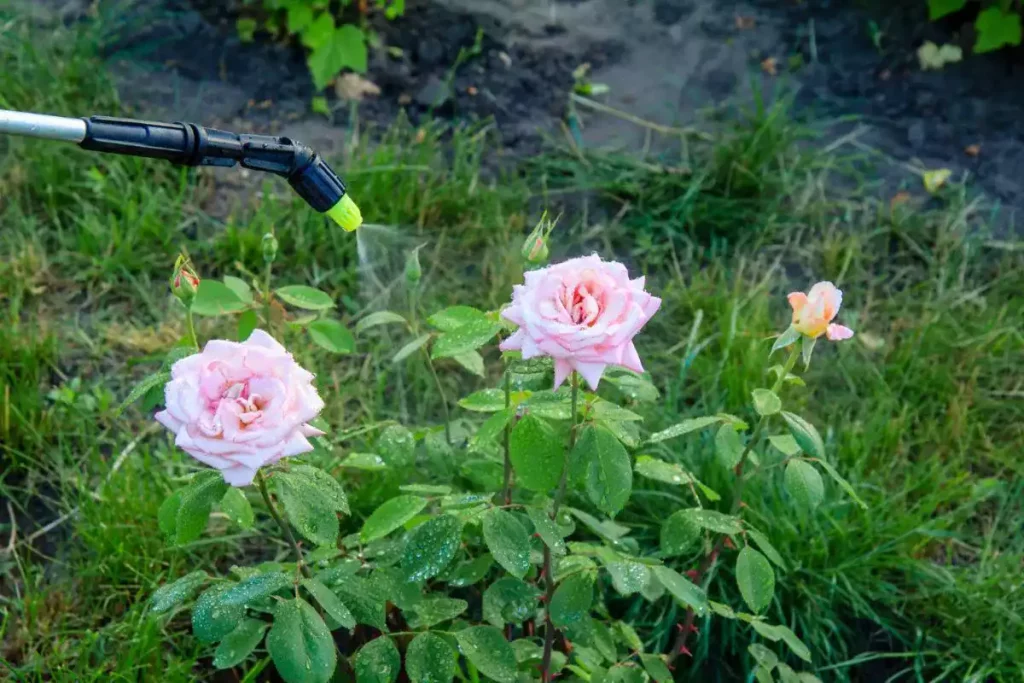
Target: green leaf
[
  {"x": 300, "y": 16},
  {"x": 763, "y": 656},
  {"x": 464, "y": 338},
  {"x": 657, "y": 668},
  {"x": 305, "y": 297},
  {"x": 239, "y": 644},
  {"x": 377, "y": 662},
  {"x": 804, "y": 483},
  {"x": 766, "y": 402},
  {"x": 777, "y": 633},
  {"x": 609, "y": 474},
  {"x": 728, "y": 446},
  {"x": 430, "y": 659},
  {"x": 471, "y": 361},
  {"x": 332, "y": 336},
  {"x": 319, "y": 32},
  {"x": 679, "y": 532},
  {"x": 255, "y": 588},
  {"x": 212, "y": 620},
  {"x": 167, "y": 515},
  {"x": 326, "y": 485},
  {"x": 196, "y": 502},
  {"x": 246, "y": 29},
  {"x": 807, "y": 350},
  {"x": 608, "y": 411},
  {"x": 240, "y": 287},
  {"x": 762, "y": 542},
  {"x": 805, "y": 434},
  {"x": 390, "y": 516},
  {"x": 410, "y": 348},
  {"x": 635, "y": 388},
  {"x": 755, "y": 578},
  {"x": 236, "y": 506},
  {"x": 369, "y": 462},
  {"x": 362, "y": 601},
  {"x": 484, "y": 401},
  {"x": 628, "y": 577},
  {"x": 684, "y": 427},
  {"x": 216, "y": 298},
  {"x": 344, "y": 48},
  {"x": 763, "y": 675},
  {"x": 487, "y": 649},
  {"x": 454, "y": 317},
  {"x": 396, "y": 445},
  {"x": 510, "y": 601},
  {"x": 492, "y": 427},
  {"x": 173, "y": 594},
  {"x": 996, "y": 28},
  {"x": 300, "y": 645},
  {"x": 431, "y": 611},
  {"x": 333, "y": 606},
  {"x": 247, "y": 323},
  {"x": 307, "y": 508},
  {"x": 572, "y": 599},
  {"x": 377, "y": 319},
  {"x": 426, "y": 489},
  {"x": 713, "y": 520},
  {"x": 682, "y": 589},
  {"x": 537, "y": 454},
  {"x": 659, "y": 470},
  {"x": 142, "y": 388},
  {"x": 508, "y": 541},
  {"x": 785, "y": 444},
  {"x": 431, "y": 546},
  {"x": 843, "y": 484},
  {"x": 548, "y": 531},
  {"x": 785, "y": 339},
  {"x": 940, "y": 8}
]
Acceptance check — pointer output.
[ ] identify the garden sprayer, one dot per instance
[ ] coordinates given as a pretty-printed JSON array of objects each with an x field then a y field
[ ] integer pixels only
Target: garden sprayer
[{"x": 189, "y": 144}]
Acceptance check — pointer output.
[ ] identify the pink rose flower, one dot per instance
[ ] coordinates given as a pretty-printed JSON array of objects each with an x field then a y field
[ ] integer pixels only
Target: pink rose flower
[
  {"x": 240, "y": 406},
  {"x": 583, "y": 313},
  {"x": 814, "y": 312}
]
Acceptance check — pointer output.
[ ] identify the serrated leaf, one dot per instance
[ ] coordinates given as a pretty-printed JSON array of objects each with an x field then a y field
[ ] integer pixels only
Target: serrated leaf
[
  {"x": 216, "y": 298},
  {"x": 305, "y": 297},
  {"x": 396, "y": 445},
  {"x": 431, "y": 611},
  {"x": 572, "y": 599},
  {"x": 996, "y": 28},
  {"x": 682, "y": 589},
  {"x": 728, "y": 446},
  {"x": 377, "y": 662},
  {"x": 239, "y": 644},
  {"x": 212, "y": 620},
  {"x": 430, "y": 659},
  {"x": 431, "y": 546},
  {"x": 236, "y": 506},
  {"x": 657, "y": 668},
  {"x": 377, "y": 319},
  {"x": 608, "y": 478},
  {"x": 508, "y": 541},
  {"x": 755, "y": 579},
  {"x": 684, "y": 427},
  {"x": 331, "y": 335},
  {"x": 487, "y": 649},
  {"x": 468, "y": 337},
  {"x": 391, "y": 515},
  {"x": 194, "y": 508},
  {"x": 330, "y": 602},
  {"x": 255, "y": 588},
  {"x": 804, "y": 483},
  {"x": 659, "y": 470},
  {"x": 548, "y": 531},
  {"x": 300, "y": 645},
  {"x": 471, "y": 361},
  {"x": 806, "y": 435},
  {"x": 510, "y": 601},
  {"x": 410, "y": 348},
  {"x": 785, "y": 444},
  {"x": 940, "y": 8},
  {"x": 766, "y": 402},
  {"x": 173, "y": 594},
  {"x": 454, "y": 317},
  {"x": 537, "y": 453},
  {"x": 142, "y": 388},
  {"x": 307, "y": 508},
  {"x": 679, "y": 533}
]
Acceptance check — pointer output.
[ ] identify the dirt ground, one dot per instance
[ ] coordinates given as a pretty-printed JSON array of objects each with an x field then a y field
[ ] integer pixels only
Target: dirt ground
[{"x": 672, "y": 62}]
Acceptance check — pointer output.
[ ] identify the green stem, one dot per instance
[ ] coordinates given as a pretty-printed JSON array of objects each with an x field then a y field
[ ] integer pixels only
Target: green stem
[
  {"x": 190, "y": 324},
  {"x": 507, "y": 489},
  {"x": 549, "y": 579},
  {"x": 285, "y": 529},
  {"x": 444, "y": 397},
  {"x": 266, "y": 296}
]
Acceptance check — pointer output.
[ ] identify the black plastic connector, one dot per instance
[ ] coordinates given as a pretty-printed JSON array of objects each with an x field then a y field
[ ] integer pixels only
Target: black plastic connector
[{"x": 189, "y": 144}]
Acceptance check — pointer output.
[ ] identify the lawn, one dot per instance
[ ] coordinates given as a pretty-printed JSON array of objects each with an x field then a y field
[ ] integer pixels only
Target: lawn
[{"x": 922, "y": 412}]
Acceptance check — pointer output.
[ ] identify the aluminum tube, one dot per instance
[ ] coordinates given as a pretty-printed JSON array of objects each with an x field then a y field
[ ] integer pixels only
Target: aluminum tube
[{"x": 42, "y": 126}]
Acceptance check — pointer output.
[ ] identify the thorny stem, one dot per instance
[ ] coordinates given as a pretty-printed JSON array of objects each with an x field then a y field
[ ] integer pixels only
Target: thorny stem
[
  {"x": 549, "y": 579},
  {"x": 708, "y": 563},
  {"x": 285, "y": 529}
]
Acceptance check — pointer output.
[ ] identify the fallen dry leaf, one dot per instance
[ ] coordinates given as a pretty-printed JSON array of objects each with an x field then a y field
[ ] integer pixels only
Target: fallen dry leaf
[
  {"x": 404, "y": 99},
  {"x": 421, "y": 135},
  {"x": 770, "y": 66},
  {"x": 744, "y": 23},
  {"x": 972, "y": 150},
  {"x": 353, "y": 87}
]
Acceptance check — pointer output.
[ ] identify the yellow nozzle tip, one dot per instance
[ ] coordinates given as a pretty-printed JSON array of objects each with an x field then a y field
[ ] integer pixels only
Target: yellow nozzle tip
[{"x": 346, "y": 214}]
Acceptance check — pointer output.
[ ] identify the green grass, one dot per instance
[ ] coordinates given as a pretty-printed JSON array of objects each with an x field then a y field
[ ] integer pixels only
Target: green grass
[{"x": 922, "y": 411}]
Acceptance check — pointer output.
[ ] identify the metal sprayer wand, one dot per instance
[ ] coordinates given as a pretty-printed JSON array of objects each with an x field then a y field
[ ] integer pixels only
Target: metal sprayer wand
[{"x": 189, "y": 144}]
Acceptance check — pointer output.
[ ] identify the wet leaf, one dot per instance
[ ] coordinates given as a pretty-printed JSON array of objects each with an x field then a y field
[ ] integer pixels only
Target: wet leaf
[
  {"x": 679, "y": 533},
  {"x": 397, "y": 445},
  {"x": 236, "y": 506},
  {"x": 659, "y": 470},
  {"x": 548, "y": 531},
  {"x": 487, "y": 649},
  {"x": 805, "y": 434},
  {"x": 510, "y": 601},
  {"x": 212, "y": 620},
  {"x": 755, "y": 579},
  {"x": 173, "y": 594},
  {"x": 430, "y": 659},
  {"x": 464, "y": 338},
  {"x": 508, "y": 541},
  {"x": 431, "y": 546},
  {"x": 804, "y": 483},
  {"x": 390, "y": 516},
  {"x": 657, "y": 668},
  {"x": 766, "y": 402},
  {"x": 305, "y": 297},
  {"x": 377, "y": 662},
  {"x": 300, "y": 645},
  {"x": 538, "y": 454},
  {"x": 239, "y": 643},
  {"x": 255, "y": 588},
  {"x": 216, "y": 298},
  {"x": 728, "y": 446},
  {"x": 410, "y": 348},
  {"x": 196, "y": 502},
  {"x": 333, "y": 606},
  {"x": 332, "y": 336},
  {"x": 682, "y": 589},
  {"x": 454, "y": 317},
  {"x": 684, "y": 427},
  {"x": 572, "y": 599},
  {"x": 377, "y": 319},
  {"x": 431, "y": 611},
  {"x": 609, "y": 474}
]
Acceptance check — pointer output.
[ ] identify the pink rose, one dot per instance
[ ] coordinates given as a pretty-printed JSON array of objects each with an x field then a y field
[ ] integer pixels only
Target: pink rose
[
  {"x": 583, "y": 313},
  {"x": 814, "y": 312},
  {"x": 240, "y": 406}
]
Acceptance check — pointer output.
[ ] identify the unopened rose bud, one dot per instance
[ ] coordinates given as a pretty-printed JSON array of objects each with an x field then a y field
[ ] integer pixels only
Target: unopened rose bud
[
  {"x": 184, "y": 281},
  {"x": 269, "y": 248},
  {"x": 535, "y": 248},
  {"x": 413, "y": 270}
]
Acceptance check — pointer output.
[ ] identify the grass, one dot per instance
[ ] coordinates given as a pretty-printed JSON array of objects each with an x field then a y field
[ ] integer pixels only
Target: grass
[{"x": 922, "y": 411}]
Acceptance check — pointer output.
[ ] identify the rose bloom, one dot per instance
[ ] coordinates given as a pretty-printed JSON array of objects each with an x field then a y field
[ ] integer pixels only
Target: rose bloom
[
  {"x": 583, "y": 313},
  {"x": 814, "y": 312},
  {"x": 240, "y": 406}
]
